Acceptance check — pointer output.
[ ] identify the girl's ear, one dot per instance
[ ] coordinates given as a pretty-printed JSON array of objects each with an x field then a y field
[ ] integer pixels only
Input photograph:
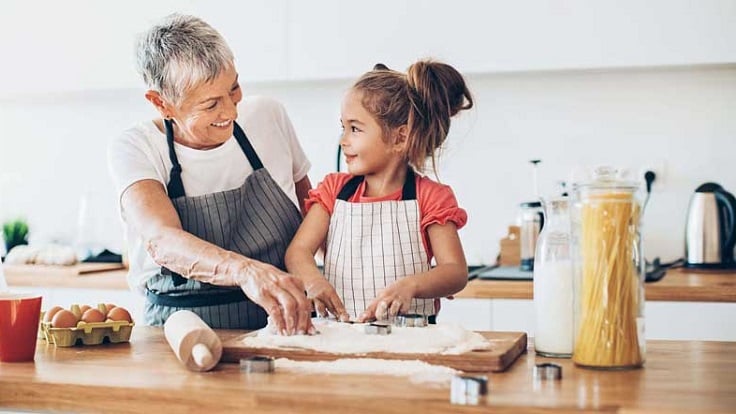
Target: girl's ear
[
  {"x": 400, "y": 138},
  {"x": 158, "y": 102}
]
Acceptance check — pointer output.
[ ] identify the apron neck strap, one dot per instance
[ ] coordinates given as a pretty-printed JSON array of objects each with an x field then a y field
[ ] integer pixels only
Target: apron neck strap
[
  {"x": 175, "y": 187},
  {"x": 245, "y": 145},
  {"x": 408, "y": 191}
]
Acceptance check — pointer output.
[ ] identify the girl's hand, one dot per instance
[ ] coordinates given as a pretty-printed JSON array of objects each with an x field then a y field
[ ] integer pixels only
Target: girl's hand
[
  {"x": 325, "y": 298},
  {"x": 392, "y": 301}
]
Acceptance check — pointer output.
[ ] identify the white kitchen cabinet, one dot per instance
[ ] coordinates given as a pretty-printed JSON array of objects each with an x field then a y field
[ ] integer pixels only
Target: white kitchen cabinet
[
  {"x": 708, "y": 321},
  {"x": 336, "y": 39},
  {"x": 50, "y": 46}
]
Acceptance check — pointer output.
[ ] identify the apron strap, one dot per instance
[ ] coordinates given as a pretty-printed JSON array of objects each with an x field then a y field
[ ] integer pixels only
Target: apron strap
[
  {"x": 175, "y": 187},
  {"x": 247, "y": 148},
  {"x": 408, "y": 191}
]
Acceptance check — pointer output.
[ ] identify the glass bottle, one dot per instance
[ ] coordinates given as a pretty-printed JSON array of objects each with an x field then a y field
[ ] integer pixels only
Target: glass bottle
[
  {"x": 553, "y": 283},
  {"x": 609, "y": 273}
]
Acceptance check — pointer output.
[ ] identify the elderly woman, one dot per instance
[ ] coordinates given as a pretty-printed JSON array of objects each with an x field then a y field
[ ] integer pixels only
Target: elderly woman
[{"x": 209, "y": 194}]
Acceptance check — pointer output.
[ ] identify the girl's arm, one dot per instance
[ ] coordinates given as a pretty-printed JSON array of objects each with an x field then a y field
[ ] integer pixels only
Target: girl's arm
[
  {"x": 300, "y": 262},
  {"x": 448, "y": 277}
]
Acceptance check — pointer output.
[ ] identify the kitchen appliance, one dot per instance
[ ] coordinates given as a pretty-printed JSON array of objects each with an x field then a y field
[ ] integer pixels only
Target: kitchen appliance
[
  {"x": 710, "y": 232},
  {"x": 531, "y": 223}
]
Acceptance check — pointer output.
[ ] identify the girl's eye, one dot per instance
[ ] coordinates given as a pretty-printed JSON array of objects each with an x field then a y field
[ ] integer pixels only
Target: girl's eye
[{"x": 355, "y": 129}]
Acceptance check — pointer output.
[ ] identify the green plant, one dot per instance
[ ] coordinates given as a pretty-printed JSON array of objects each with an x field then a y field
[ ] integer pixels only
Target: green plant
[{"x": 15, "y": 232}]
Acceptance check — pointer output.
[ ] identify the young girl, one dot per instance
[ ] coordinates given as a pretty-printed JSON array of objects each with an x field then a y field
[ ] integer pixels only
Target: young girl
[{"x": 382, "y": 223}]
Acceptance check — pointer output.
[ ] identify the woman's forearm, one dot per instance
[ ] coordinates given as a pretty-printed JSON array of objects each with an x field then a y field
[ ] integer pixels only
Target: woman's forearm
[{"x": 194, "y": 258}]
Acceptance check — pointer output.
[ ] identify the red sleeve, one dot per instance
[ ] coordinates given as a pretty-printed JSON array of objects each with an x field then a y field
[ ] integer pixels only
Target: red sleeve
[
  {"x": 326, "y": 192},
  {"x": 438, "y": 204}
]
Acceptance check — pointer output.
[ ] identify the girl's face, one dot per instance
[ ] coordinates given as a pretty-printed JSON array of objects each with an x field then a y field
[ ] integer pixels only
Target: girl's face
[
  {"x": 366, "y": 150},
  {"x": 204, "y": 118}
]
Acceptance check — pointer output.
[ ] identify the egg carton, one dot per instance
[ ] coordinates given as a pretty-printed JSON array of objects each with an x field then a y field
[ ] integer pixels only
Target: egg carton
[{"x": 88, "y": 333}]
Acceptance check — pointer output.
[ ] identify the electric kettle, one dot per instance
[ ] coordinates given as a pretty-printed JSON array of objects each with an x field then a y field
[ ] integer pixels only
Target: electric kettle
[{"x": 710, "y": 233}]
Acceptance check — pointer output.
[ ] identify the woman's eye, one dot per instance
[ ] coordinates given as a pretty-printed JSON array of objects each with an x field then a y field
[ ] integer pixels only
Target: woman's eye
[
  {"x": 235, "y": 88},
  {"x": 214, "y": 104}
]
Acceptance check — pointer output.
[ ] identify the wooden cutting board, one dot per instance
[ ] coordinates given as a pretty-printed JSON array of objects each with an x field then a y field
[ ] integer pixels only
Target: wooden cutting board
[
  {"x": 49, "y": 270},
  {"x": 505, "y": 348}
]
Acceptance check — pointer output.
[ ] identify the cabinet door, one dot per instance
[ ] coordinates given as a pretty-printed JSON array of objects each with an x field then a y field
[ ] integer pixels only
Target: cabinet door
[
  {"x": 337, "y": 39},
  {"x": 51, "y": 46}
]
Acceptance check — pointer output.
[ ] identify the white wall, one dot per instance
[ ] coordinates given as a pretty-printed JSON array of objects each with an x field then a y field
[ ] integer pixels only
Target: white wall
[{"x": 52, "y": 147}]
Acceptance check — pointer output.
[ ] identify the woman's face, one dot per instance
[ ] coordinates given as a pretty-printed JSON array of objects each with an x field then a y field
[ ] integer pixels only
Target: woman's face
[{"x": 204, "y": 118}]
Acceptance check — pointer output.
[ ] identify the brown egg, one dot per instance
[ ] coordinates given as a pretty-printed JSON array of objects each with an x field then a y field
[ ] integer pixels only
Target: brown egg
[
  {"x": 64, "y": 319},
  {"x": 49, "y": 315},
  {"x": 84, "y": 308},
  {"x": 93, "y": 315},
  {"x": 109, "y": 307},
  {"x": 119, "y": 314}
]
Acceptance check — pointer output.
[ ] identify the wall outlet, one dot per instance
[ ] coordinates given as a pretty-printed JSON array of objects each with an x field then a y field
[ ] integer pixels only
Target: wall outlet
[{"x": 659, "y": 168}]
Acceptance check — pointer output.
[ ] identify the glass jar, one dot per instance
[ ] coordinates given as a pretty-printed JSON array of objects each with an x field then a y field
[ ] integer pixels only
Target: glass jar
[
  {"x": 609, "y": 273},
  {"x": 553, "y": 283}
]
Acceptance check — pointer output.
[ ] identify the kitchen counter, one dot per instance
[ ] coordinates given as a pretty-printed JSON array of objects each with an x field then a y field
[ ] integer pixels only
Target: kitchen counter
[
  {"x": 678, "y": 285},
  {"x": 144, "y": 376},
  {"x": 113, "y": 280}
]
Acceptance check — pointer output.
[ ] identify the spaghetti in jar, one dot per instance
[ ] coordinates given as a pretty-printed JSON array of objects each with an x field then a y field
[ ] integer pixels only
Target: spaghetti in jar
[{"x": 609, "y": 277}]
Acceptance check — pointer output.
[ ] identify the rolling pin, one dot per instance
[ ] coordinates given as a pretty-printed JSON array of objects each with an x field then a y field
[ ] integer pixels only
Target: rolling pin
[{"x": 195, "y": 344}]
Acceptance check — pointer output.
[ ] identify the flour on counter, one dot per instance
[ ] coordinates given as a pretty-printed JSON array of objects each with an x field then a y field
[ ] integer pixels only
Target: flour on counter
[
  {"x": 417, "y": 371},
  {"x": 343, "y": 338}
]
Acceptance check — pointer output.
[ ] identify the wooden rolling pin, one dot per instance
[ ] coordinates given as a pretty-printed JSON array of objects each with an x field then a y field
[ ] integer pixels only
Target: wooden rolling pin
[{"x": 195, "y": 344}]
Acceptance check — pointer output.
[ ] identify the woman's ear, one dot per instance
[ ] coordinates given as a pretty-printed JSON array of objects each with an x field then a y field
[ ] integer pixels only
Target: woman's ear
[{"x": 158, "y": 102}]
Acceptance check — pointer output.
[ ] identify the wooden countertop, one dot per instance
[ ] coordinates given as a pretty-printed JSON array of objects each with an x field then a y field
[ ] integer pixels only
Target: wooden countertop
[
  {"x": 678, "y": 285},
  {"x": 144, "y": 376},
  {"x": 112, "y": 280}
]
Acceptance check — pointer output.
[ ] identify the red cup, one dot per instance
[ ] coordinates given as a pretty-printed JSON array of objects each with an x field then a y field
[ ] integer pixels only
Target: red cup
[{"x": 19, "y": 316}]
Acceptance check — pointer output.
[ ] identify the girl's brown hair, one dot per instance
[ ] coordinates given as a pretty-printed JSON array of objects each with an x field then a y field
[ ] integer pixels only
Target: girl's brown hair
[{"x": 424, "y": 99}]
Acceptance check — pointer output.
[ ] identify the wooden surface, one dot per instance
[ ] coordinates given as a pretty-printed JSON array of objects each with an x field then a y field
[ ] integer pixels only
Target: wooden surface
[
  {"x": 679, "y": 285},
  {"x": 113, "y": 280},
  {"x": 507, "y": 346},
  {"x": 73, "y": 270},
  {"x": 145, "y": 376}
]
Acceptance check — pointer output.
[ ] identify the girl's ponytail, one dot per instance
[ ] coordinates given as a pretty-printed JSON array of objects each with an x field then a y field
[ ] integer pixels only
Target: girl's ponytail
[{"x": 436, "y": 93}]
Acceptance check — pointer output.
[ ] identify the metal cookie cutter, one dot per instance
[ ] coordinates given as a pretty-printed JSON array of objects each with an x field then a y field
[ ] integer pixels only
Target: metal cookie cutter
[
  {"x": 257, "y": 364},
  {"x": 467, "y": 389},
  {"x": 547, "y": 371},
  {"x": 378, "y": 328},
  {"x": 412, "y": 320}
]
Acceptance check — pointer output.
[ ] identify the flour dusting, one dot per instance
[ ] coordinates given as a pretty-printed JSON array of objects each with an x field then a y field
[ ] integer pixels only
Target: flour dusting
[
  {"x": 343, "y": 338},
  {"x": 417, "y": 371}
]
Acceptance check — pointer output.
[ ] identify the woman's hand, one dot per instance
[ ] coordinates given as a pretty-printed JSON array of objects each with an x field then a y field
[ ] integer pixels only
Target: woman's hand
[
  {"x": 392, "y": 301},
  {"x": 281, "y": 295},
  {"x": 325, "y": 298}
]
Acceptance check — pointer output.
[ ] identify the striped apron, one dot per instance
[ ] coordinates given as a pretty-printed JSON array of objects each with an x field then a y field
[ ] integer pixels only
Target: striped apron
[
  {"x": 257, "y": 220},
  {"x": 371, "y": 245}
]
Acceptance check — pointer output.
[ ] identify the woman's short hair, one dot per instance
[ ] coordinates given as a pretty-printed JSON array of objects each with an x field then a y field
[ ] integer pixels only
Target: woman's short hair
[{"x": 179, "y": 53}]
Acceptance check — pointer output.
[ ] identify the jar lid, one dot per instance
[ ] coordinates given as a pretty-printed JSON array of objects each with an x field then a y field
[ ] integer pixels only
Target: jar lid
[{"x": 608, "y": 178}]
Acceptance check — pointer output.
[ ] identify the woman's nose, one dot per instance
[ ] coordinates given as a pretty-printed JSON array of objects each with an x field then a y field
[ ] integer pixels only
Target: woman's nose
[{"x": 230, "y": 108}]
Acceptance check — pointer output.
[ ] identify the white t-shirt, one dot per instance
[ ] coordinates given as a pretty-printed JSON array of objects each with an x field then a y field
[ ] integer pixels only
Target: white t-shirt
[{"x": 141, "y": 153}]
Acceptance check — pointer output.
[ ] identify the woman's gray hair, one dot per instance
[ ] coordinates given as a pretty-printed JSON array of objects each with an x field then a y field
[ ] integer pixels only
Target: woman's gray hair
[{"x": 179, "y": 53}]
